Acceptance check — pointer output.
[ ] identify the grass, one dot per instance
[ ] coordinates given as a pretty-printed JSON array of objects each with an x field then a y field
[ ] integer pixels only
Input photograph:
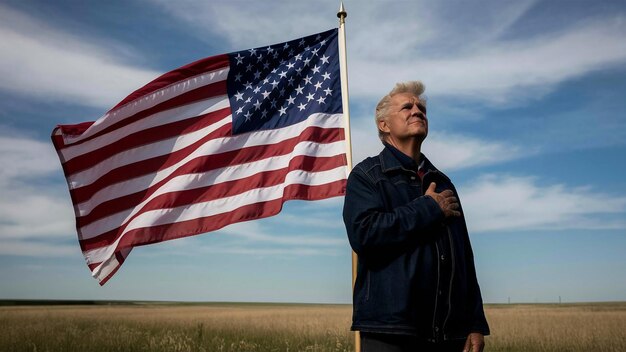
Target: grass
[{"x": 275, "y": 327}]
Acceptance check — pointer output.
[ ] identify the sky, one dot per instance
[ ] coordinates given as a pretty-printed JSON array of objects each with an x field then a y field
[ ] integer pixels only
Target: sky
[{"x": 526, "y": 106}]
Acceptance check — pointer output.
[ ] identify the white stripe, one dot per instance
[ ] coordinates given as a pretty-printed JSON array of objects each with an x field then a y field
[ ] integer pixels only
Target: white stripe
[
  {"x": 213, "y": 177},
  {"x": 150, "y": 100},
  {"x": 103, "y": 270},
  {"x": 147, "y": 151},
  {"x": 184, "y": 112},
  {"x": 215, "y": 207},
  {"x": 219, "y": 145}
]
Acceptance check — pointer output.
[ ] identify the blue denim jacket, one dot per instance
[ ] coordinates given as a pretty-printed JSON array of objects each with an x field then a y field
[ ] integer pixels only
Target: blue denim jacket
[{"x": 415, "y": 273}]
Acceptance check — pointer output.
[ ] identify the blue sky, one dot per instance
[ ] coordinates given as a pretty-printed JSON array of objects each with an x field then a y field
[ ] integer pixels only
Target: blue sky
[{"x": 527, "y": 104}]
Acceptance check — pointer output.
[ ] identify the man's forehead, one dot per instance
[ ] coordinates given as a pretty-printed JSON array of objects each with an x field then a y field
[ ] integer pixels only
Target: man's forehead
[{"x": 402, "y": 98}]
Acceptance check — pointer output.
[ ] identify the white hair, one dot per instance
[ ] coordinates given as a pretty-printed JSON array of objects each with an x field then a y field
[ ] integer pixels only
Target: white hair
[{"x": 416, "y": 88}]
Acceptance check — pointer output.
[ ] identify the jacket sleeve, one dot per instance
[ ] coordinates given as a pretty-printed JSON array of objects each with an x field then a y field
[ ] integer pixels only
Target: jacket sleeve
[{"x": 370, "y": 226}]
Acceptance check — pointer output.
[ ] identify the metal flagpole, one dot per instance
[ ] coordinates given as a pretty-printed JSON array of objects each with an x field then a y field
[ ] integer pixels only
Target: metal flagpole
[{"x": 343, "y": 64}]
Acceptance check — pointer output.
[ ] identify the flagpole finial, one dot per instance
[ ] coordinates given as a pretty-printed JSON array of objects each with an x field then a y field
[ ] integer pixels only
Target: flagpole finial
[{"x": 342, "y": 14}]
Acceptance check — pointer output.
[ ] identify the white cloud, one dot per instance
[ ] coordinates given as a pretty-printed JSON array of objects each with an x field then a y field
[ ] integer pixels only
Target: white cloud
[
  {"x": 41, "y": 61},
  {"x": 510, "y": 203},
  {"x": 33, "y": 214}
]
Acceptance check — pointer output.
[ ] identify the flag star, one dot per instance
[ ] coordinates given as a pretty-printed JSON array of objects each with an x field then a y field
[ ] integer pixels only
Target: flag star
[
  {"x": 259, "y": 58},
  {"x": 248, "y": 85},
  {"x": 321, "y": 100},
  {"x": 282, "y": 111},
  {"x": 318, "y": 37},
  {"x": 263, "y": 114},
  {"x": 308, "y": 79},
  {"x": 257, "y": 74},
  {"x": 266, "y": 65},
  {"x": 282, "y": 74},
  {"x": 248, "y": 100},
  {"x": 323, "y": 42},
  {"x": 291, "y": 100},
  {"x": 286, "y": 46},
  {"x": 240, "y": 110},
  {"x": 298, "y": 57},
  {"x": 238, "y": 77},
  {"x": 316, "y": 69},
  {"x": 290, "y": 81},
  {"x": 299, "y": 89},
  {"x": 275, "y": 56},
  {"x": 265, "y": 94},
  {"x": 239, "y": 59},
  {"x": 325, "y": 58},
  {"x": 290, "y": 65},
  {"x": 314, "y": 51},
  {"x": 299, "y": 71},
  {"x": 256, "y": 89},
  {"x": 273, "y": 103},
  {"x": 275, "y": 70},
  {"x": 257, "y": 105},
  {"x": 270, "y": 50},
  {"x": 302, "y": 106},
  {"x": 266, "y": 80},
  {"x": 326, "y": 76},
  {"x": 310, "y": 97},
  {"x": 317, "y": 86},
  {"x": 252, "y": 52},
  {"x": 249, "y": 68},
  {"x": 328, "y": 91},
  {"x": 274, "y": 84},
  {"x": 306, "y": 61},
  {"x": 238, "y": 96},
  {"x": 302, "y": 42},
  {"x": 247, "y": 115},
  {"x": 281, "y": 92},
  {"x": 307, "y": 48},
  {"x": 291, "y": 52}
]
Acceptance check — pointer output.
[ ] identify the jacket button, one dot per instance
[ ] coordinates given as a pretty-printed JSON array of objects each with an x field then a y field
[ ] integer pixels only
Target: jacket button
[
  {"x": 440, "y": 292},
  {"x": 412, "y": 177},
  {"x": 436, "y": 329},
  {"x": 443, "y": 257}
]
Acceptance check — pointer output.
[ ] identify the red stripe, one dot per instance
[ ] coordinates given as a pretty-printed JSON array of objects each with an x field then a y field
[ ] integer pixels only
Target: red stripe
[
  {"x": 182, "y": 73},
  {"x": 144, "y": 137},
  {"x": 205, "y": 92},
  {"x": 159, "y": 233},
  {"x": 204, "y": 163},
  {"x": 212, "y": 192}
]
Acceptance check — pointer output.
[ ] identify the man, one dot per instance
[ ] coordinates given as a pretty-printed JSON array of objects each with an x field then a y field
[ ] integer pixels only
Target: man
[{"x": 416, "y": 287}]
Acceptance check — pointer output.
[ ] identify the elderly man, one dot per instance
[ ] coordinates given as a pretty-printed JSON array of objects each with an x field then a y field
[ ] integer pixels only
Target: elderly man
[{"x": 416, "y": 287}]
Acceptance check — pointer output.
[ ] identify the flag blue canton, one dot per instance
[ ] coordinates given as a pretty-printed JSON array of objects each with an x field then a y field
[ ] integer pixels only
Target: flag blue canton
[{"x": 283, "y": 84}]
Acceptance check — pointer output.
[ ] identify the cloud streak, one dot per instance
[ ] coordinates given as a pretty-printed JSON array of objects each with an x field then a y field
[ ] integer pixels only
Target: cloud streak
[
  {"x": 48, "y": 63},
  {"x": 511, "y": 203}
]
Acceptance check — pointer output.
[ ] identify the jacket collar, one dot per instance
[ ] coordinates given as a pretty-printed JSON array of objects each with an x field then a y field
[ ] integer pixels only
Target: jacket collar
[{"x": 389, "y": 162}]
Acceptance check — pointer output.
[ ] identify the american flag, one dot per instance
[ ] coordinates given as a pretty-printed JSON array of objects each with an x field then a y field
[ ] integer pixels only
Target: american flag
[{"x": 225, "y": 139}]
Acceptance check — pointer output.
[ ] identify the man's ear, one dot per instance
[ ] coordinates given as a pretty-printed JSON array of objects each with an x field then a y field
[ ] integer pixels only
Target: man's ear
[{"x": 382, "y": 126}]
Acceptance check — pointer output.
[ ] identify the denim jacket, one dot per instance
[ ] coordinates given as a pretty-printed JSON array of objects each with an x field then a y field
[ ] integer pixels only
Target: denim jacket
[{"x": 415, "y": 272}]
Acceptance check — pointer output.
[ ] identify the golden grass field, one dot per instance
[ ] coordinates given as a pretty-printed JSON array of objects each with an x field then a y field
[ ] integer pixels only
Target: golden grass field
[{"x": 284, "y": 327}]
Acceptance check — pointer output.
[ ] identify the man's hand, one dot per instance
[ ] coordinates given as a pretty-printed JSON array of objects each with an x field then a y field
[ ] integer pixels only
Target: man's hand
[
  {"x": 446, "y": 200},
  {"x": 475, "y": 342}
]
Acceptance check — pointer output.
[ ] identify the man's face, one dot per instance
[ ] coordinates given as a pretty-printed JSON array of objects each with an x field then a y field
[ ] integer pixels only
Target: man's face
[{"x": 406, "y": 118}]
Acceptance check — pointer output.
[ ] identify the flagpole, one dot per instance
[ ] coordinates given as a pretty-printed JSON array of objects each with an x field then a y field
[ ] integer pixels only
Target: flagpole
[{"x": 343, "y": 63}]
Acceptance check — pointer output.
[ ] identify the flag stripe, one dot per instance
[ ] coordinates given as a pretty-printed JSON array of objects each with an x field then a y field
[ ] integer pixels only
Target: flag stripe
[
  {"x": 291, "y": 189},
  {"x": 131, "y": 107},
  {"x": 206, "y": 193},
  {"x": 169, "y": 163},
  {"x": 159, "y": 126},
  {"x": 203, "y": 174}
]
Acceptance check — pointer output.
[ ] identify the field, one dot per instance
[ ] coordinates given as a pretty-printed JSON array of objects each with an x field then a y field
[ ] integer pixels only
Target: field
[{"x": 283, "y": 327}]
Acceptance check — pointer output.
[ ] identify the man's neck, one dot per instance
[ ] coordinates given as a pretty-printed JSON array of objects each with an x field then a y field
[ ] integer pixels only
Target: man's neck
[{"x": 411, "y": 147}]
